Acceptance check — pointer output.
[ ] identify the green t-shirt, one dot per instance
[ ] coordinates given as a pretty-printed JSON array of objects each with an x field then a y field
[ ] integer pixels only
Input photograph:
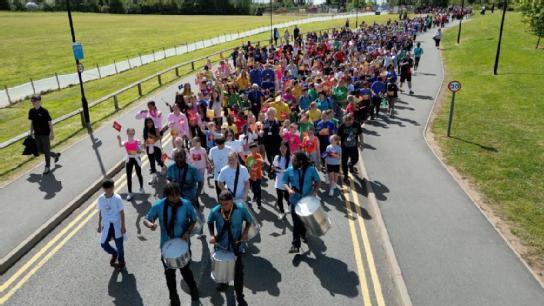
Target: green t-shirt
[
  {"x": 340, "y": 94},
  {"x": 312, "y": 94},
  {"x": 233, "y": 99},
  {"x": 305, "y": 127}
]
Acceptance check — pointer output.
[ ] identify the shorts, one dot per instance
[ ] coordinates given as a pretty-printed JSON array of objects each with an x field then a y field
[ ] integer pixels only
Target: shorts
[
  {"x": 417, "y": 60},
  {"x": 405, "y": 77},
  {"x": 333, "y": 168}
]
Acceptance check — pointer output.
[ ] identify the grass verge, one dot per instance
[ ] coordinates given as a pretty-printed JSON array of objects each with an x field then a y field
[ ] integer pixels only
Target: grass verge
[{"x": 498, "y": 131}]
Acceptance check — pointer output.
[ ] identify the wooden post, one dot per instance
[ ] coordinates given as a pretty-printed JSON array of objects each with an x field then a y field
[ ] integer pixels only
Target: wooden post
[
  {"x": 57, "y": 77},
  {"x": 154, "y": 55},
  {"x": 115, "y": 65},
  {"x": 33, "y": 88},
  {"x": 193, "y": 66},
  {"x": 116, "y": 103},
  {"x": 98, "y": 69},
  {"x": 128, "y": 60},
  {"x": 140, "y": 89},
  {"x": 141, "y": 62},
  {"x": 177, "y": 71},
  {"x": 164, "y": 52},
  {"x": 160, "y": 80},
  {"x": 7, "y": 94}
]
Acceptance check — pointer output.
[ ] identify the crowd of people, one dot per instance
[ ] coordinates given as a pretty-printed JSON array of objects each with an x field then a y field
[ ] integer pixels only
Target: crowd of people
[{"x": 284, "y": 114}]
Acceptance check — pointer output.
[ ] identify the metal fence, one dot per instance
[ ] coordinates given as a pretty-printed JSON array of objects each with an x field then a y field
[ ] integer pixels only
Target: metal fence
[{"x": 59, "y": 81}]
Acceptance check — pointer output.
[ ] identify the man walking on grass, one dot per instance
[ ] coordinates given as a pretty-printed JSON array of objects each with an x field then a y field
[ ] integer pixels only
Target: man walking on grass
[{"x": 41, "y": 128}]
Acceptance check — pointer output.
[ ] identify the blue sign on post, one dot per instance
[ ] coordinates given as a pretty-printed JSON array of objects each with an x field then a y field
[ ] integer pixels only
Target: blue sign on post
[{"x": 77, "y": 47}]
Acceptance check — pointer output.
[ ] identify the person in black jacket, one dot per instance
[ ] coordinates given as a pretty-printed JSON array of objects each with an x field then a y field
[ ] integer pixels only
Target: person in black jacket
[{"x": 41, "y": 128}]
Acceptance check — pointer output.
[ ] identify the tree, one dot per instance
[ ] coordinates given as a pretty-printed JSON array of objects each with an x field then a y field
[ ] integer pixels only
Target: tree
[
  {"x": 4, "y": 5},
  {"x": 117, "y": 7},
  {"x": 533, "y": 14}
]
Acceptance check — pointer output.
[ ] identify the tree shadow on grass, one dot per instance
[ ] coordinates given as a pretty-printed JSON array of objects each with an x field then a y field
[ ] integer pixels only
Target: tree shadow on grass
[{"x": 487, "y": 148}]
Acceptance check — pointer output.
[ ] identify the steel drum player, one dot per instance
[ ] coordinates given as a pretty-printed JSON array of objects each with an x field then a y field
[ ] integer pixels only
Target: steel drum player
[
  {"x": 227, "y": 217},
  {"x": 300, "y": 180},
  {"x": 177, "y": 218}
]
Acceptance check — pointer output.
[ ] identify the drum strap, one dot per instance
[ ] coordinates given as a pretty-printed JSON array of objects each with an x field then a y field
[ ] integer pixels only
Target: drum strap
[
  {"x": 302, "y": 174},
  {"x": 182, "y": 177},
  {"x": 236, "y": 181},
  {"x": 170, "y": 223},
  {"x": 227, "y": 228}
]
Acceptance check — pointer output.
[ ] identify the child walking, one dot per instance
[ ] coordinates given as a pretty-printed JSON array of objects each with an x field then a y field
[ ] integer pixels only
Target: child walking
[
  {"x": 332, "y": 159},
  {"x": 133, "y": 148},
  {"x": 254, "y": 163},
  {"x": 280, "y": 164},
  {"x": 111, "y": 223}
]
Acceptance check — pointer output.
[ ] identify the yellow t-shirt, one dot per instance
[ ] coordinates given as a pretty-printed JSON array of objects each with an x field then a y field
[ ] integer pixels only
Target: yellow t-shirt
[
  {"x": 281, "y": 107},
  {"x": 314, "y": 115},
  {"x": 242, "y": 83},
  {"x": 297, "y": 91}
]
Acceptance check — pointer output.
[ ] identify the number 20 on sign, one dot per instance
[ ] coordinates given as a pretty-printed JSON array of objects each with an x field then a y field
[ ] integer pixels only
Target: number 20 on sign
[{"x": 453, "y": 86}]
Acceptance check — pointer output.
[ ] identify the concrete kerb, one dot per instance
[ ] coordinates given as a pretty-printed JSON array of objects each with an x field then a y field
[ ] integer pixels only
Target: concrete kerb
[
  {"x": 398, "y": 278},
  {"x": 24, "y": 247},
  {"x": 466, "y": 189}
]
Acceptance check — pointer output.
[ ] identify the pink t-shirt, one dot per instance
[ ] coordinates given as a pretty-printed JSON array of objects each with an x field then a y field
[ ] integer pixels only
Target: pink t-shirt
[
  {"x": 156, "y": 117},
  {"x": 132, "y": 147},
  {"x": 179, "y": 124},
  {"x": 197, "y": 158},
  {"x": 294, "y": 141}
]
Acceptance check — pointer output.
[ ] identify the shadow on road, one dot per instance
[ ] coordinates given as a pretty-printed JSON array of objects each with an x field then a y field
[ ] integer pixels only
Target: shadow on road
[
  {"x": 124, "y": 292},
  {"x": 141, "y": 203},
  {"x": 48, "y": 183}
]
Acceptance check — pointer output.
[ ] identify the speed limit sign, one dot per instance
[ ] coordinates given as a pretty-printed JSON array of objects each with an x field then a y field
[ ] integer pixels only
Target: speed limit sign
[{"x": 454, "y": 86}]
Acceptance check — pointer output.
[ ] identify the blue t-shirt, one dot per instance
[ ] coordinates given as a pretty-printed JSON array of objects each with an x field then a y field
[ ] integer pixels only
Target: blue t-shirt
[
  {"x": 254, "y": 97},
  {"x": 324, "y": 105},
  {"x": 268, "y": 74},
  {"x": 304, "y": 102},
  {"x": 185, "y": 215},
  {"x": 256, "y": 76},
  {"x": 292, "y": 178},
  {"x": 333, "y": 161},
  {"x": 239, "y": 214},
  {"x": 378, "y": 87},
  {"x": 418, "y": 51},
  {"x": 189, "y": 188}
]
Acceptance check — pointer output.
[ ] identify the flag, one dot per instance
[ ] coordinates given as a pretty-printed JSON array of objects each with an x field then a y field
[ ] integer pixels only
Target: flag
[{"x": 117, "y": 126}]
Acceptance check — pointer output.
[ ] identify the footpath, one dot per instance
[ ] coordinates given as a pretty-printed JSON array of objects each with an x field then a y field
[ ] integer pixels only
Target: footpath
[
  {"x": 33, "y": 204},
  {"x": 448, "y": 252}
]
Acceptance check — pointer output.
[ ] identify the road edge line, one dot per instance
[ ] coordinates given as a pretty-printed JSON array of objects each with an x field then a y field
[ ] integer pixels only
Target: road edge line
[
  {"x": 398, "y": 277},
  {"x": 24, "y": 247},
  {"x": 431, "y": 117}
]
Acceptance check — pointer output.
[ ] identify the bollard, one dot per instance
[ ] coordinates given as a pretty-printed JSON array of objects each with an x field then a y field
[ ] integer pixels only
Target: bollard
[
  {"x": 193, "y": 66},
  {"x": 160, "y": 80},
  {"x": 177, "y": 71},
  {"x": 98, "y": 69},
  {"x": 7, "y": 94},
  {"x": 116, "y": 103},
  {"x": 140, "y": 89},
  {"x": 57, "y": 77},
  {"x": 115, "y": 65},
  {"x": 128, "y": 60},
  {"x": 33, "y": 88}
]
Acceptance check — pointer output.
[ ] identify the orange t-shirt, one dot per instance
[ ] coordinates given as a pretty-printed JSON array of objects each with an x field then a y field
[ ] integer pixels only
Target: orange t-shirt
[
  {"x": 254, "y": 163},
  {"x": 310, "y": 145}
]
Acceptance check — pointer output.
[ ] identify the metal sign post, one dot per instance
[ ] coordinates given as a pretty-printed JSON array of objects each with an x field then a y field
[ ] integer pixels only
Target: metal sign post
[{"x": 453, "y": 86}]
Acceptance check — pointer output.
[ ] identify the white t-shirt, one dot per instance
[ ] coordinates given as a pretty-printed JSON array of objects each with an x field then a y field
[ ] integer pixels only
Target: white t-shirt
[
  {"x": 235, "y": 145},
  {"x": 220, "y": 158},
  {"x": 110, "y": 210},
  {"x": 280, "y": 162},
  {"x": 227, "y": 176}
]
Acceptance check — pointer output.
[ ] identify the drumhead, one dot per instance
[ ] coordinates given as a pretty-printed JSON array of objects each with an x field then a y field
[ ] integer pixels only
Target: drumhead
[
  {"x": 307, "y": 206},
  {"x": 174, "y": 248},
  {"x": 221, "y": 255}
]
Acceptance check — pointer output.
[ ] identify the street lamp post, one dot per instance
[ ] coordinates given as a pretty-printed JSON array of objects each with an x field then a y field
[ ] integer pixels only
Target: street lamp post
[
  {"x": 84, "y": 104},
  {"x": 496, "y": 67},
  {"x": 461, "y": 21}
]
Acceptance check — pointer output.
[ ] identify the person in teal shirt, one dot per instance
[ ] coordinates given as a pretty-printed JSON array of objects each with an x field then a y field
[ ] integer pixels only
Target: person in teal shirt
[
  {"x": 227, "y": 219},
  {"x": 323, "y": 102},
  {"x": 300, "y": 180},
  {"x": 177, "y": 218},
  {"x": 305, "y": 100},
  {"x": 418, "y": 51}
]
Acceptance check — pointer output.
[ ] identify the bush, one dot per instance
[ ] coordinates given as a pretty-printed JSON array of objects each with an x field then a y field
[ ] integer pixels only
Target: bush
[
  {"x": 4, "y": 5},
  {"x": 117, "y": 7}
]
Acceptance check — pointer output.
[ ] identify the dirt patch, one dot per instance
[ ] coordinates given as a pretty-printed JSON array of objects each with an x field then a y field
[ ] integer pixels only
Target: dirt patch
[{"x": 503, "y": 226}]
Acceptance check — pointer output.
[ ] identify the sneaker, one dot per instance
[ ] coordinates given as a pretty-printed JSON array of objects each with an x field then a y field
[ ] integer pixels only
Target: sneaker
[
  {"x": 142, "y": 191},
  {"x": 294, "y": 249},
  {"x": 331, "y": 192},
  {"x": 46, "y": 170},
  {"x": 57, "y": 158},
  {"x": 113, "y": 260},
  {"x": 129, "y": 196},
  {"x": 241, "y": 302},
  {"x": 411, "y": 92}
]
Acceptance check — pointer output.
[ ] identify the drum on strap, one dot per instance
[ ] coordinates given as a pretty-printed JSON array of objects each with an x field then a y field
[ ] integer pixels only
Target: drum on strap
[
  {"x": 313, "y": 215},
  {"x": 223, "y": 263},
  {"x": 175, "y": 253}
]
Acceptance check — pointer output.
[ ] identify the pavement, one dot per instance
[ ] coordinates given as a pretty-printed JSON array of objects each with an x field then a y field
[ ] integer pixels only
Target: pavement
[{"x": 448, "y": 252}]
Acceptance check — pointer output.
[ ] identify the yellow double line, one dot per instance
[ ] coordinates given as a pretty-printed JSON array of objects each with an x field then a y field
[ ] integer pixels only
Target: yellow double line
[
  {"x": 353, "y": 197},
  {"x": 23, "y": 274}
]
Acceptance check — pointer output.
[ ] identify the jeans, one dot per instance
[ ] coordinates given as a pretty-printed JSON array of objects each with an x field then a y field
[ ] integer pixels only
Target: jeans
[
  {"x": 171, "y": 283},
  {"x": 239, "y": 278},
  {"x": 299, "y": 230},
  {"x": 375, "y": 109},
  {"x": 351, "y": 155},
  {"x": 282, "y": 194},
  {"x": 256, "y": 189},
  {"x": 44, "y": 147},
  {"x": 132, "y": 163},
  {"x": 155, "y": 157},
  {"x": 120, "y": 252}
]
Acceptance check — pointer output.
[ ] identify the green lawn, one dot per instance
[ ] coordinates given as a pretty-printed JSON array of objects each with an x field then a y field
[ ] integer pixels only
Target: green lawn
[
  {"x": 498, "y": 130},
  {"x": 13, "y": 119},
  {"x": 36, "y": 45}
]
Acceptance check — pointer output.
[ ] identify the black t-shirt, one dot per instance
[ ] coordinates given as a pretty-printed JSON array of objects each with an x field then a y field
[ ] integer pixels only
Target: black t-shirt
[
  {"x": 350, "y": 135},
  {"x": 271, "y": 131},
  {"x": 40, "y": 120},
  {"x": 406, "y": 65}
]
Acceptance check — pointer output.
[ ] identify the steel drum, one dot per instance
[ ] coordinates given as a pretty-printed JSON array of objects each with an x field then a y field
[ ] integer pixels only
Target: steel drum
[
  {"x": 175, "y": 253},
  {"x": 255, "y": 227},
  {"x": 313, "y": 215},
  {"x": 223, "y": 266}
]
